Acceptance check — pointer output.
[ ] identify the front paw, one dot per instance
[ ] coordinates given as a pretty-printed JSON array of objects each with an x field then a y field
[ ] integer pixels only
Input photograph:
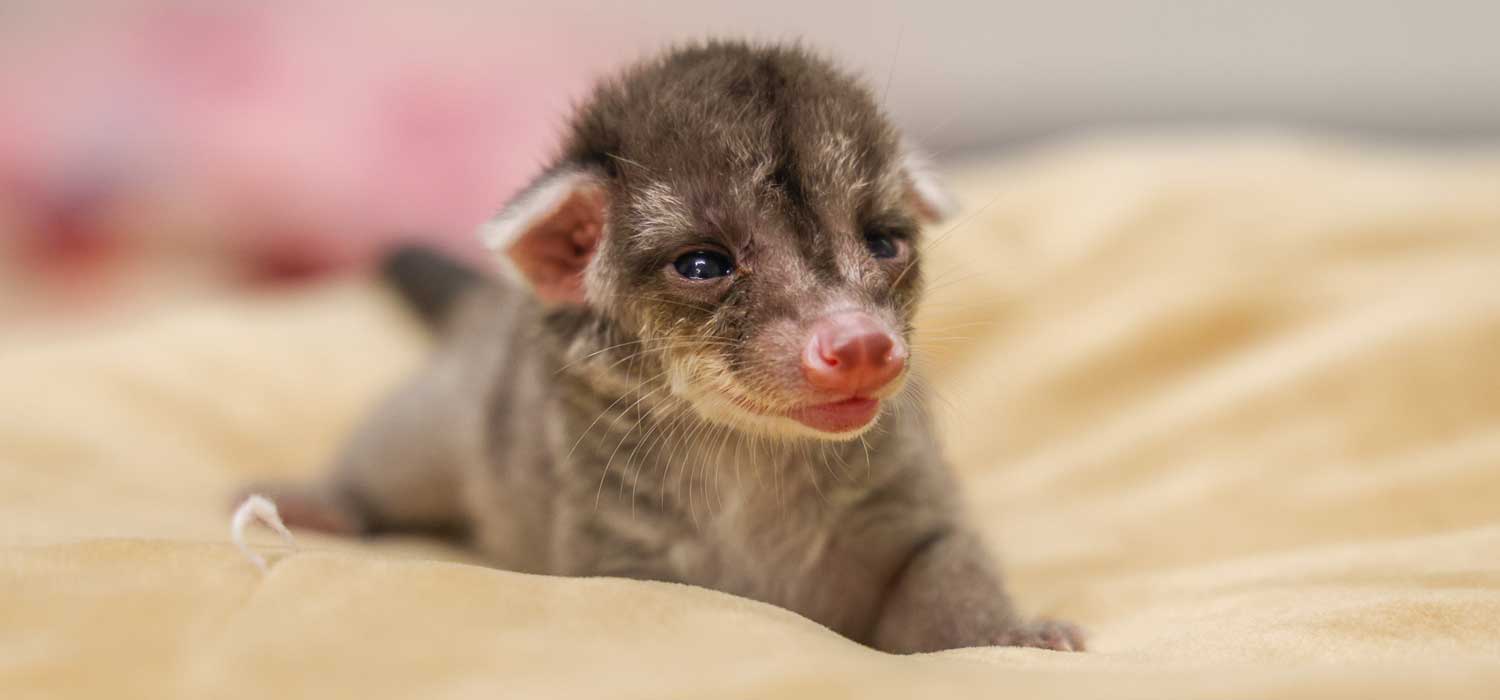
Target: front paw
[{"x": 1043, "y": 634}]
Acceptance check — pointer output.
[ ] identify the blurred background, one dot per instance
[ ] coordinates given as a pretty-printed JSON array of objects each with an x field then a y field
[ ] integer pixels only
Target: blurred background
[{"x": 158, "y": 151}]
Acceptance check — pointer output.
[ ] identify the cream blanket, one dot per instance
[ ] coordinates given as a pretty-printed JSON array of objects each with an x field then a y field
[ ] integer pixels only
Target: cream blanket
[{"x": 1233, "y": 404}]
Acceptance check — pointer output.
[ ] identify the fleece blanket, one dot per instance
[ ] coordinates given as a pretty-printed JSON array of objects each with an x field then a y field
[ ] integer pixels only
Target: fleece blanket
[{"x": 1231, "y": 403}]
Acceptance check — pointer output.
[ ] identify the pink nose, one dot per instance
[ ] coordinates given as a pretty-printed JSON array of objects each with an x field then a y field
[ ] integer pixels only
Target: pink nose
[{"x": 852, "y": 353}]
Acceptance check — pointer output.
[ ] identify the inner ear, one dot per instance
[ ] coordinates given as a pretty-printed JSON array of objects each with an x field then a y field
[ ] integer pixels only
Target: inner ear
[{"x": 549, "y": 234}]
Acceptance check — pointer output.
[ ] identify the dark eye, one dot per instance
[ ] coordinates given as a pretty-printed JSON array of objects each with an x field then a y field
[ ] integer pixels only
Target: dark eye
[
  {"x": 703, "y": 265},
  {"x": 882, "y": 245}
]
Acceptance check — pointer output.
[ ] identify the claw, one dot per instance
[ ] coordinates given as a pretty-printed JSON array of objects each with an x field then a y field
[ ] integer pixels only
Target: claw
[{"x": 1046, "y": 634}]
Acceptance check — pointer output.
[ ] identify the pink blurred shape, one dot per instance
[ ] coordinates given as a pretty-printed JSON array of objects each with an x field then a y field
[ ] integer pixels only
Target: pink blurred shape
[{"x": 294, "y": 138}]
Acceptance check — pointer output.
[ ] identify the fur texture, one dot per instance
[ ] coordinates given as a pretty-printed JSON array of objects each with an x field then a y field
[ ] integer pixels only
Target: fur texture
[{"x": 623, "y": 420}]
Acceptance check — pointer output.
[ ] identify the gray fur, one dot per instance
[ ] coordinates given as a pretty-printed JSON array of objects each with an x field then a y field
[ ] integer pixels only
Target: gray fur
[{"x": 554, "y": 438}]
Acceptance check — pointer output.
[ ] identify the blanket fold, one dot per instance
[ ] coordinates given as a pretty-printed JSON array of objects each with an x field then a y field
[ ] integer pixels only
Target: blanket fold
[{"x": 1231, "y": 403}]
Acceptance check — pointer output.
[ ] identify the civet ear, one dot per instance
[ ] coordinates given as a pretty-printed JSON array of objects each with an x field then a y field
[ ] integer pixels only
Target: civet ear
[
  {"x": 924, "y": 189},
  {"x": 547, "y": 235}
]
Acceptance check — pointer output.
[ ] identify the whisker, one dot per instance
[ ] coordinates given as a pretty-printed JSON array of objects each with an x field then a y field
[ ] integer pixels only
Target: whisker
[
  {"x": 601, "y": 415},
  {"x": 604, "y": 473},
  {"x": 896, "y": 54},
  {"x": 628, "y": 161}
]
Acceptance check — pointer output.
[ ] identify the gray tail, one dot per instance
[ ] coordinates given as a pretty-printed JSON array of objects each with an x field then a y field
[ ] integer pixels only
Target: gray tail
[{"x": 431, "y": 283}]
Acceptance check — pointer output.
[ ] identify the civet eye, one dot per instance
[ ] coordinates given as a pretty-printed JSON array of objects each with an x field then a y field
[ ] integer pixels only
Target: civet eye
[
  {"x": 703, "y": 265},
  {"x": 882, "y": 245}
]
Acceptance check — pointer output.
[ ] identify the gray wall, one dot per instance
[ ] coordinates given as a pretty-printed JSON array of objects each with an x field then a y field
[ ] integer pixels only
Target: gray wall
[{"x": 970, "y": 73}]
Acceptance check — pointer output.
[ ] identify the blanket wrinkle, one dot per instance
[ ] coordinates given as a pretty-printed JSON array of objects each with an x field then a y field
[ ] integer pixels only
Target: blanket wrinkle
[{"x": 1228, "y": 402}]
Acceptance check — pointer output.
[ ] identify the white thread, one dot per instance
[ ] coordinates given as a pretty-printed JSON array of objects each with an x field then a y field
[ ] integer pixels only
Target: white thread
[{"x": 260, "y": 508}]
